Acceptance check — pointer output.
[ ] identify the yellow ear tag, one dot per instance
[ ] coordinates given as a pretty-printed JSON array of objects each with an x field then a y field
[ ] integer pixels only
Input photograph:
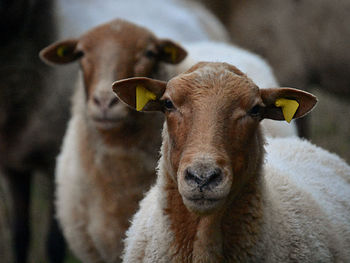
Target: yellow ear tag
[
  {"x": 142, "y": 97},
  {"x": 289, "y": 107},
  {"x": 61, "y": 51},
  {"x": 172, "y": 51}
]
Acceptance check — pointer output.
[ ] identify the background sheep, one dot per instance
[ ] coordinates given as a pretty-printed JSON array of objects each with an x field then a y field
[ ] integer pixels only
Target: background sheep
[
  {"x": 108, "y": 157},
  {"x": 214, "y": 200}
]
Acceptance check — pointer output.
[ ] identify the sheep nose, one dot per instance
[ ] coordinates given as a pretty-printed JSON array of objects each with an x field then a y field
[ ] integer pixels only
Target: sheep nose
[
  {"x": 207, "y": 178},
  {"x": 105, "y": 102}
]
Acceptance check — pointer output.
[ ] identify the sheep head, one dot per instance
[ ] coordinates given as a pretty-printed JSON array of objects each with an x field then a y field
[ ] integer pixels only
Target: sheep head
[
  {"x": 212, "y": 144},
  {"x": 114, "y": 50}
]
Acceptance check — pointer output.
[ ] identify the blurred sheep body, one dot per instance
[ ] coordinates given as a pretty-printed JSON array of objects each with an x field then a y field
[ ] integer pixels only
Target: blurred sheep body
[
  {"x": 108, "y": 156},
  {"x": 99, "y": 184},
  {"x": 34, "y": 110},
  {"x": 109, "y": 153},
  {"x": 303, "y": 51},
  {"x": 216, "y": 199},
  {"x": 195, "y": 21},
  {"x": 306, "y": 42}
]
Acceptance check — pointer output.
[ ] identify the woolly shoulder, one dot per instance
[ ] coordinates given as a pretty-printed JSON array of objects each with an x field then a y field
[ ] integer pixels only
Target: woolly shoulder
[
  {"x": 148, "y": 237},
  {"x": 313, "y": 170},
  {"x": 303, "y": 153},
  {"x": 68, "y": 154}
]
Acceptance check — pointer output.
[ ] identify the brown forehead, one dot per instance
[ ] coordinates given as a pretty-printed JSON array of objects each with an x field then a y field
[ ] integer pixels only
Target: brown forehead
[
  {"x": 118, "y": 31},
  {"x": 211, "y": 83}
]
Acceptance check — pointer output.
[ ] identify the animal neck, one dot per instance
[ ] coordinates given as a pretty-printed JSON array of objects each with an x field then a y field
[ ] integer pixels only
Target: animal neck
[
  {"x": 115, "y": 173},
  {"x": 125, "y": 135},
  {"x": 225, "y": 236}
]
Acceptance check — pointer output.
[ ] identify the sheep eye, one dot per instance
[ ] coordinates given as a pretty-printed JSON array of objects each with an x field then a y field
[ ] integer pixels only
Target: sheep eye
[
  {"x": 255, "y": 111},
  {"x": 150, "y": 54},
  {"x": 168, "y": 105}
]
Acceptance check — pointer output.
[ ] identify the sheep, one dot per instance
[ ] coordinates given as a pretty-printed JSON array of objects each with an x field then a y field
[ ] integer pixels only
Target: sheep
[
  {"x": 251, "y": 64},
  {"x": 307, "y": 51},
  {"x": 33, "y": 114},
  {"x": 106, "y": 160},
  {"x": 215, "y": 198}
]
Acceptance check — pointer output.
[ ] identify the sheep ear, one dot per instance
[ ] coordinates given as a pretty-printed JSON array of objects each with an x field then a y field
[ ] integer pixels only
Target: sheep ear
[
  {"x": 60, "y": 52},
  {"x": 171, "y": 52},
  {"x": 140, "y": 93},
  {"x": 286, "y": 103}
]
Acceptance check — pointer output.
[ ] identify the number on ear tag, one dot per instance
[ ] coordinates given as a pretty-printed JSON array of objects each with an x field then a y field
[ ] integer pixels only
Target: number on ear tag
[
  {"x": 143, "y": 96},
  {"x": 289, "y": 107}
]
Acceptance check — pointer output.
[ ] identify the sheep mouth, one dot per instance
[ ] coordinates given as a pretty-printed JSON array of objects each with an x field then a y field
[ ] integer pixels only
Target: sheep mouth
[
  {"x": 106, "y": 123},
  {"x": 204, "y": 201},
  {"x": 202, "y": 205}
]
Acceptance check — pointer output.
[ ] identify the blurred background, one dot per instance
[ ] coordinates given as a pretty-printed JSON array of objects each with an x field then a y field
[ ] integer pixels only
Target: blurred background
[{"x": 305, "y": 41}]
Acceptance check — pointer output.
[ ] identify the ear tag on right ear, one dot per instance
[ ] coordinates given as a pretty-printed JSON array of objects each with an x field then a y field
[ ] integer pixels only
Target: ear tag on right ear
[
  {"x": 172, "y": 51},
  {"x": 143, "y": 96},
  {"x": 289, "y": 107},
  {"x": 61, "y": 51}
]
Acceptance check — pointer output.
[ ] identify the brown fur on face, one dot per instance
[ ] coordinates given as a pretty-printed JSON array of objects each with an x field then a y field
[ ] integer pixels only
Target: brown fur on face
[
  {"x": 211, "y": 122},
  {"x": 117, "y": 49}
]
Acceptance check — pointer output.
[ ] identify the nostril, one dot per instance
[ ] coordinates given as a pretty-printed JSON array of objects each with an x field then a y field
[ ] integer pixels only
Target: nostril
[
  {"x": 214, "y": 177},
  {"x": 207, "y": 178},
  {"x": 113, "y": 102},
  {"x": 191, "y": 177}
]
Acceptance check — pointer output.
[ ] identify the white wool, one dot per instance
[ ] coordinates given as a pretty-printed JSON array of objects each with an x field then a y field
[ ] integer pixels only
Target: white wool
[
  {"x": 295, "y": 156},
  {"x": 150, "y": 227},
  {"x": 175, "y": 19}
]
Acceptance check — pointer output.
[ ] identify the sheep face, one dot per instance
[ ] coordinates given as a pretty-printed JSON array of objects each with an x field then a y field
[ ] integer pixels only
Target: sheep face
[
  {"x": 212, "y": 143},
  {"x": 212, "y": 134},
  {"x": 115, "y": 50}
]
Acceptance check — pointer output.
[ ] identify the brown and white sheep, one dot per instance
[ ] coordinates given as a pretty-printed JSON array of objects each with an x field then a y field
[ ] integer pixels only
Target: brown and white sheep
[
  {"x": 215, "y": 200},
  {"x": 108, "y": 156}
]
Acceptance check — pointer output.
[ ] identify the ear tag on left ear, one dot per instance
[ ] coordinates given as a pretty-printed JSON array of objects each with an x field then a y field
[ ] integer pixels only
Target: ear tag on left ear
[
  {"x": 289, "y": 107},
  {"x": 61, "y": 51},
  {"x": 142, "y": 97},
  {"x": 172, "y": 51}
]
